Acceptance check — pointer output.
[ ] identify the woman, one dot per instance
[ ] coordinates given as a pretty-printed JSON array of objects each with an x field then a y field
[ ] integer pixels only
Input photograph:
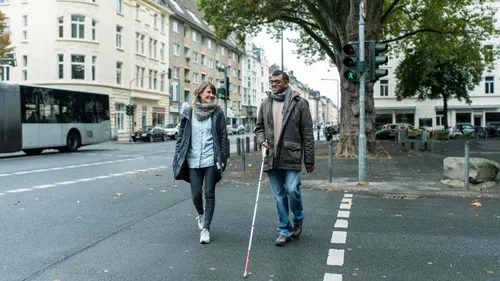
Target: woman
[{"x": 203, "y": 160}]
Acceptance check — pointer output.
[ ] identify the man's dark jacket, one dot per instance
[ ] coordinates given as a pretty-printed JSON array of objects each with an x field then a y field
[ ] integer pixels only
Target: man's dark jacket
[
  {"x": 219, "y": 133},
  {"x": 296, "y": 142}
]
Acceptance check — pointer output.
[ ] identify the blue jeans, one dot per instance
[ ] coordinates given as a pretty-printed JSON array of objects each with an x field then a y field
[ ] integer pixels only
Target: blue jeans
[{"x": 285, "y": 185}]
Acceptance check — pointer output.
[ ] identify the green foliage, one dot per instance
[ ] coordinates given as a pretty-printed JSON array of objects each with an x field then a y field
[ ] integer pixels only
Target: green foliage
[{"x": 4, "y": 38}]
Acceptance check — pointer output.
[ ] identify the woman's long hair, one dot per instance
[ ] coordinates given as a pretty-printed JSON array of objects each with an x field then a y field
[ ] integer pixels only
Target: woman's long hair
[{"x": 201, "y": 89}]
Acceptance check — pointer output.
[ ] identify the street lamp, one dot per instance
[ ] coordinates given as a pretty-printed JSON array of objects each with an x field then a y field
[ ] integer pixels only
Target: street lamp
[
  {"x": 338, "y": 97},
  {"x": 130, "y": 99}
]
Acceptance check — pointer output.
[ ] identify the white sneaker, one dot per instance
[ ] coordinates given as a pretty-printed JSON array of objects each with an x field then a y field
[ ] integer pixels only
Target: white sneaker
[
  {"x": 205, "y": 236},
  {"x": 201, "y": 220}
]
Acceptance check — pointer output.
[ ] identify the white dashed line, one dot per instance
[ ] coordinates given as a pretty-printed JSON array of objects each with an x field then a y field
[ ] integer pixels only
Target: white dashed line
[
  {"x": 339, "y": 237},
  {"x": 343, "y": 214},
  {"x": 332, "y": 277},
  {"x": 19, "y": 190},
  {"x": 1, "y": 194},
  {"x": 348, "y": 195},
  {"x": 345, "y": 206},
  {"x": 78, "y": 180},
  {"x": 68, "y": 167},
  {"x": 341, "y": 223},
  {"x": 335, "y": 257},
  {"x": 347, "y": 200}
]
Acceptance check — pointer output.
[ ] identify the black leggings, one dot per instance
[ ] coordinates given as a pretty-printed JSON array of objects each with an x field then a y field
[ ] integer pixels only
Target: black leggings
[{"x": 196, "y": 177}]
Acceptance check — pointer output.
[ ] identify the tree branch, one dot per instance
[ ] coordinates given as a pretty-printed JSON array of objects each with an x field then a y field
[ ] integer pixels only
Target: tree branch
[
  {"x": 411, "y": 34},
  {"x": 388, "y": 11}
]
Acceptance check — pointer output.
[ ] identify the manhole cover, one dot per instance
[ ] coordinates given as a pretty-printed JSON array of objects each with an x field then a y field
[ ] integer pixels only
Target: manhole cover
[{"x": 400, "y": 196}]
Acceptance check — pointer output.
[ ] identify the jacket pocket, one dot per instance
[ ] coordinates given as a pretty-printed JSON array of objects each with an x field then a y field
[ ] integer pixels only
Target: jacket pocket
[{"x": 291, "y": 153}]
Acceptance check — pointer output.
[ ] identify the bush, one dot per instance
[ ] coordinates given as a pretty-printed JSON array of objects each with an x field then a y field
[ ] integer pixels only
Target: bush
[{"x": 439, "y": 134}]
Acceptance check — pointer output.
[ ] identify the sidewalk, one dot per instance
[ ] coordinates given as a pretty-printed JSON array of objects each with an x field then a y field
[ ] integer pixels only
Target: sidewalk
[{"x": 404, "y": 172}]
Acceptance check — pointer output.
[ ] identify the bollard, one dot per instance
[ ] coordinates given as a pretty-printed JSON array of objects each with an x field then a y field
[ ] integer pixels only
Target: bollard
[
  {"x": 466, "y": 166},
  {"x": 228, "y": 148},
  {"x": 318, "y": 133},
  {"x": 330, "y": 161},
  {"x": 238, "y": 146},
  {"x": 247, "y": 144},
  {"x": 243, "y": 156},
  {"x": 255, "y": 143}
]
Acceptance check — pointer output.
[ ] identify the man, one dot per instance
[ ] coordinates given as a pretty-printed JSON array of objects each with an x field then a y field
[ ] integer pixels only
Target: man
[{"x": 285, "y": 130}]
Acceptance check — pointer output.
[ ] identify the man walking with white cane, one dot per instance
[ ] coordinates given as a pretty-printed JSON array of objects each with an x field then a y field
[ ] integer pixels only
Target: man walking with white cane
[{"x": 284, "y": 128}]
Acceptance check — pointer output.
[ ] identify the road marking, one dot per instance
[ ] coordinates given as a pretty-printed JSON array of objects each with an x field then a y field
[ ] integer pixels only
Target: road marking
[
  {"x": 339, "y": 237},
  {"x": 20, "y": 190},
  {"x": 341, "y": 223},
  {"x": 332, "y": 277},
  {"x": 69, "y": 167},
  {"x": 1, "y": 194},
  {"x": 335, "y": 257},
  {"x": 343, "y": 214},
  {"x": 348, "y": 195},
  {"x": 347, "y": 200},
  {"x": 345, "y": 206}
]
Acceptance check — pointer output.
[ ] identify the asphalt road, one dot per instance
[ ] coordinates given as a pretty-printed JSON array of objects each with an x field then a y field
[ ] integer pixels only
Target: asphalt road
[{"x": 112, "y": 212}]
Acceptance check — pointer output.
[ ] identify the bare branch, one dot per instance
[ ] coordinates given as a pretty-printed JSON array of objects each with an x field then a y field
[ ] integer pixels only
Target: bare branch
[
  {"x": 412, "y": 33},
  {"x": 388, "y": 11}
]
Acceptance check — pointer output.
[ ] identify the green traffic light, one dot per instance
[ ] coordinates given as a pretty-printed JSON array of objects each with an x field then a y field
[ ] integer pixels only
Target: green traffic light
[{"x": 350, "y": 75}]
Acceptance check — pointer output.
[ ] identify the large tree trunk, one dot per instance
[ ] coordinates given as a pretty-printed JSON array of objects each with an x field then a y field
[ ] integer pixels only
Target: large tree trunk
[{"x": 349, "y": 132}]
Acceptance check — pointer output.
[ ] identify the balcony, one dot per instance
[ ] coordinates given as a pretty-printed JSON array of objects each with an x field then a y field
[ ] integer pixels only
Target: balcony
[
  {"x": 204, "y": 68},
  {"x": 204, "y": 49},
  {"x": 187, "y": 41},
  {"x": 187, "y": 83},
  {"x": 188, "y": 62}
]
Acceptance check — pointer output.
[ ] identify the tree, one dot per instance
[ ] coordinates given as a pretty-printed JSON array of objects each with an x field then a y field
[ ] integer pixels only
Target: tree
[
  {"x": 447, "y": 67},
  {"x": 5, "y": 43},
  {"x": 326, "y": 25}
]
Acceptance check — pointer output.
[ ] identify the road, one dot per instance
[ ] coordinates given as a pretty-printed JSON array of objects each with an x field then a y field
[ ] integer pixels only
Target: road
[{"x": 112, "y": 212}]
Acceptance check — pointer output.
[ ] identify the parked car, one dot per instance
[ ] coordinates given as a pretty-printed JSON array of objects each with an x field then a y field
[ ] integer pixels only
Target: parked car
[
  {"x": 172, "y": 130},
  {"x": 461, "y": 129},
  {"x": 150, "y": 134},
  {"x": 236, "y": 130},
  {"x": 413, "y": 132}
]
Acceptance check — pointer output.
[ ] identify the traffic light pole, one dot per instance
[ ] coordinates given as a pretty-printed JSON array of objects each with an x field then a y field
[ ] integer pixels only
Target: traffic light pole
[{"x": 362, "y": 136}]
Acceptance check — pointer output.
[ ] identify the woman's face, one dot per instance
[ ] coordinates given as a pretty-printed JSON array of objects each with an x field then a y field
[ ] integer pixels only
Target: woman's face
[{"x": 207, "y": 96}]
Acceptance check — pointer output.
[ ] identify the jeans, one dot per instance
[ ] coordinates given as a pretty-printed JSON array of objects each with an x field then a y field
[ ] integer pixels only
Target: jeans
[
  {"x": 285, "y": 185},
  {"x": 196, "y": 177}
]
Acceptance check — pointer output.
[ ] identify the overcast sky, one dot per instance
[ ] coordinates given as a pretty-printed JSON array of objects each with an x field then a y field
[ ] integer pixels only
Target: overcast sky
[{"x": 307, "y": 74}]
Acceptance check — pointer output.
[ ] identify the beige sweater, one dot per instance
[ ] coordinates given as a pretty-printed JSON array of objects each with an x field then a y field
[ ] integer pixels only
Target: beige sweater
[{"x": 278, "y": 120}]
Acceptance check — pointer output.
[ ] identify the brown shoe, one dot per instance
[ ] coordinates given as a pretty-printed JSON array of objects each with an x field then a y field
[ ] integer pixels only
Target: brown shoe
[
  {"x": 282, "y": 240},
  {"x": 297, "y": 230}
]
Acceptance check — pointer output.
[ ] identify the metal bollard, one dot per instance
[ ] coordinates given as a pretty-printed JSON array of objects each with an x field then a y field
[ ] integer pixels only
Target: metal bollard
[
  {"x": 318, "y": 133},
  {"x": 330, "y": 161},
  {"x": 255, "y": 148},
  {"x": 243, "y": 154},
  {"x": 238, "y": 146},
  {"x": 466, "y": 166},
  {"x": 247, "y": 144}
]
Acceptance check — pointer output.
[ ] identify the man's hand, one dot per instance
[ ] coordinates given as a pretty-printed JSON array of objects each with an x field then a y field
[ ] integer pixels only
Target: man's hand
[
  {"x": 264, "y": 147},
  {"x": 309, "y": 168}
]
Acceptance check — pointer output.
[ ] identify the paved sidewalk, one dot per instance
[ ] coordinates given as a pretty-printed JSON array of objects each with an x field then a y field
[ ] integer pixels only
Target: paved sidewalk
[{"x": 404, "y": 172}]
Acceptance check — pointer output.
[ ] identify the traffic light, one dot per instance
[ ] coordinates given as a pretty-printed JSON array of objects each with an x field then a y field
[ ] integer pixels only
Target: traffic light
[
  {"x": 226, "y": 84},
  {"x": 13, "y": 60},
  {"x": 375, "y": 60},
  {"x": 221, "y": 93},
  {"x": 351, "y": 61},
  {"x": 169, "y": 75},
  {"x": 128, "y": 110}
]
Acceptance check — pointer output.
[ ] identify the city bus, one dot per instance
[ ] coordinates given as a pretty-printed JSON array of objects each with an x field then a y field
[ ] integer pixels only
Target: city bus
[{"x": 34, "y": 118}]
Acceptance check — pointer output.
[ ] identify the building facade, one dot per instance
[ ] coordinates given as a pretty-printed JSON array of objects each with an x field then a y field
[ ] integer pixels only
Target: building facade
[
  {"x": 196, "y": 56},
  {"x": 484, "y": 109},
  {"x": 67, "y": 44}
]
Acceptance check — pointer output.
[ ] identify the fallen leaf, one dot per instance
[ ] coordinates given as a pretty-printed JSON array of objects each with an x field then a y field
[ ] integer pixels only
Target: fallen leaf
[
  {"x": 477, "y": 204},
  {"x": 158, "y": 175},
  {"x": 36, "y": 198},
  {"x": 78, "y": 218},
  {"x": 162, "y": 190},
  {"x": 151, "y": 188},
  {"x": 354, "y": 274},
  {"x": 212, "y": 268},
  {"x": 491, "y": 272},
  {"x": 397, "y": 215},
  {"x": 119, "y": 194},
  {"x": 476, "y": 215},
  {"x": 429, "y": 262}
]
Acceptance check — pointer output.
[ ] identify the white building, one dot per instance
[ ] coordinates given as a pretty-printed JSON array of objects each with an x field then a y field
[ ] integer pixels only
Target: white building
[
  {"x": 95, "y": 46},
  {"x": 484, "y": 109}
]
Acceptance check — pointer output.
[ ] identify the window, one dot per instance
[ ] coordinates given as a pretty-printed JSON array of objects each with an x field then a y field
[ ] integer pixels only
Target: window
[
  {"x": 489, "y": 85},
  {"x": 150, "y": 79},
  {"x": 194, "y": 36},
  {"x": 77, "y": 26},
  {"x": 155, "y": 78},
  {"x": 119, "y": 36},
  {"x": 162, "y": 22},
  {"x": 60, "y": 65},
  {"x": 119, "y": 73},
  {"x": 94, "y": 61},
  {"x": 177, "y": 51},
  {"x": 162, "y": 52},
  {"x": 142, "y": 44},
  {"x": 144, "y": 116},
  {"x": 175, "y": 91},
  {"x": 210, "y": 63},
  {"x": 196, "y": 78},
  {"x": 223, "y": 51},
  {"x": 235, "y": 57},
  {"x": 150, "y": 47},
  {"x": 94, "y": 25},
  {"x": 195, "y": 57},
  {"x": 488, "y": 52},
  {"x": 203, "y": 59},
  {"x": 120, "y": 116},
  {"x": 155, "y": 43},
  {"x": 439, "y": 118},
  {"x": 60, "y": 26},
  {"x": 176, "y": 72},
  {"x": 143, "y": 73},
  {"x": 209, "y": 44},
  {"x": 137, "y": 39},
  {"x": 77, "y": 67},
  {"x": 137, "y": 75},
  {"x": 175, "y": 27},
  {"x": 25, "y": 27},
  {"x": 162, "y": 82},
  {"x": 155, "y": 21},
  {"x": 137, "y": 12},
  {"x": 118, "y": 6},
  {"x": 25, "y": 68},
  {"x": 384, "y": 88},
  {"x": 235, "y": 73}
]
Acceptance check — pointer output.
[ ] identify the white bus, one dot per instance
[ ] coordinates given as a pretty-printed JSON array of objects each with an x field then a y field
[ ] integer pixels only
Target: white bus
[{"x": 34, "y": 118}]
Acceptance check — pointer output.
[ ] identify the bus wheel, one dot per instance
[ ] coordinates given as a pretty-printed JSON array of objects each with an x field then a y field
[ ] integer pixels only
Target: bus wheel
[
  {"x": 35, "y": 151},
  {"x": 73, "y": 142}
]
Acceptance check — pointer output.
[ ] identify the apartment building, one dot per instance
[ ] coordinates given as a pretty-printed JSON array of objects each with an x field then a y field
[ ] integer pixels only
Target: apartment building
[
  {"x": 484, "y": 109},
  {"x": 96, "y": 46},
  {"x": 196, "y": 56}
]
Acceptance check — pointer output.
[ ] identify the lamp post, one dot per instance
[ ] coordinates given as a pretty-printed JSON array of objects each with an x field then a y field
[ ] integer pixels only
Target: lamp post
[
  {"x": 130, "y": 99},
  {"x": 282, "y": 55},
  {"x": 338, "y": 97}
]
